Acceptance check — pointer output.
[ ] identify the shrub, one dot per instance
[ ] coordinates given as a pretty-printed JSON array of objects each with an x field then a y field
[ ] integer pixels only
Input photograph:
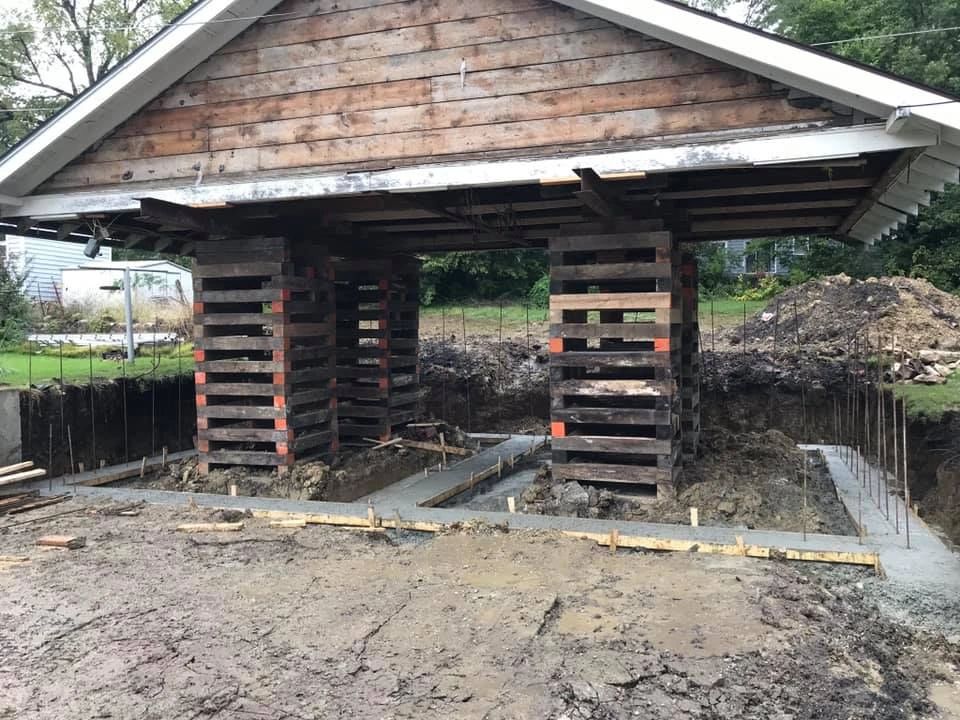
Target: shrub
[
  {"x": 767, "y": 287},
  {"x": 14, "y": 307},
  {"x": 539, "y": 295}
]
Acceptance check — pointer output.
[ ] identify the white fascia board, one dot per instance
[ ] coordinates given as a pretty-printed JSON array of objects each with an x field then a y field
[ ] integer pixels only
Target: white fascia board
[
  {"x": 158, "y": 64},
  {"x": 783, "y": 147},
  {"x": 771, "y": 57}
]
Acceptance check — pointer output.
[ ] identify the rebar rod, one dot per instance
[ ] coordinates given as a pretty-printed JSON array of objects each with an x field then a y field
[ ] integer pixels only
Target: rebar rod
[
  {"x": 896, "y": 442},
  {"x": 463, "y": 313},
  {"x": 906, "y": 481},
  {"x": 93, "y": 417}
]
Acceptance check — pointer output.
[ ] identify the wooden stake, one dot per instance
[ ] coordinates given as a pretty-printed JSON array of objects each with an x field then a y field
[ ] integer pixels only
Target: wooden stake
[
  {"x": 233, "y": 490},
  {"x": 443, "y": 448},
  {"x": 499, "y": 466},
  {"x": 143, "y": 466},
  {"x": 371, "y": 516},
  {"x": 512, "y": 504},
  {"x": 163, "y": 458},
  {"x": 694, "y": 517},
  {"x": 614, "y": 541}
]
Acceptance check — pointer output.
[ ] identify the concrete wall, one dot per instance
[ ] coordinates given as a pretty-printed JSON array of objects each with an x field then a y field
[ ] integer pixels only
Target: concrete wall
[{"x": 9, "y": 426}]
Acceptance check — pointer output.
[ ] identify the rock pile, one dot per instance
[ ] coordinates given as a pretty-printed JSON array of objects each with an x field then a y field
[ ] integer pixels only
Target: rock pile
[{"x": 929, "y": 367}]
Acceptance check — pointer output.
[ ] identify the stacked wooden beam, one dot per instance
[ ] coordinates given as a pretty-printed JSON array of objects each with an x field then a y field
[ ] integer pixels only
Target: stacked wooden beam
[
  {"x": 615, "y": 314},
  {"x": 264, "y": 327},
  {"x": 690, "y": 359},
  {"x": 377, "y": 339}
]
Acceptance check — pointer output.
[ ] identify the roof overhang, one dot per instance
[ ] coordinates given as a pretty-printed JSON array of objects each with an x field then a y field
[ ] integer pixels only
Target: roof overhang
[{"x": 799, "y": 146}]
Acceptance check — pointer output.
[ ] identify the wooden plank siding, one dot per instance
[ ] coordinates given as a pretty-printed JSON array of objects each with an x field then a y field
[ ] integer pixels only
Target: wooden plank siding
[{"x": 354, "y": 84}]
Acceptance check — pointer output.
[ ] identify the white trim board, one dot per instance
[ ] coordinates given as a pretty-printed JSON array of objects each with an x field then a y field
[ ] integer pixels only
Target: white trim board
[{"x": 792, "y": 147}]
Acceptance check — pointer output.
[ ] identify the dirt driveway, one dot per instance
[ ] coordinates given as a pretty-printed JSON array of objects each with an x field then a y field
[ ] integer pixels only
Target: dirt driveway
[{"x": 324, "y": 623}]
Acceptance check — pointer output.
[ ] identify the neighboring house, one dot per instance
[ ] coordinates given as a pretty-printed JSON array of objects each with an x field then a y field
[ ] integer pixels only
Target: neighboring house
[
  {"x": 740, "y": 261},
  {"x": 158, "y": 281},
  {"x": 42, "y": 262}
]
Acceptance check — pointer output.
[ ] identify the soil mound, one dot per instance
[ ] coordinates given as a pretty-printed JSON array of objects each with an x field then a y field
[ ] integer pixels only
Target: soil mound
[{"x": 827, "y": 313}]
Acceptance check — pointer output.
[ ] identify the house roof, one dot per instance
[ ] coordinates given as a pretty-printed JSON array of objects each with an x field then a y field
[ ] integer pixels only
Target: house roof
[{"x": 209, "y": 24}]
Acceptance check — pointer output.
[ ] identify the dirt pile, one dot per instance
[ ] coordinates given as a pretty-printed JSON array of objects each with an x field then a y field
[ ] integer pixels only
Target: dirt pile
[
  {"x": 828, "y": 313},
  {"x": 752, "y": 480},
  {"x": 305, "y": 481},
  {"x": 942, "y": 504},
  {"x": 487, "y": 385},
  {"x": 354, "y": 472}
]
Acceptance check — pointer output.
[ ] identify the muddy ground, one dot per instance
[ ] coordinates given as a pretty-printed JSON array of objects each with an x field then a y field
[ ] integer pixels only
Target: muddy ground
[
  {"x": 743, "y": 480},
  {"x": 321, "y": 623}
]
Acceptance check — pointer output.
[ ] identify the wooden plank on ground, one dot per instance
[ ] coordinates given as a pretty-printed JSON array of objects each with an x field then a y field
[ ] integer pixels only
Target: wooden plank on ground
[
  {"x": 15, "y": 468},
  {"x": 210, "y": 527},
  {"x": 22, "y": 476},
  {"x": 70, "y": 542}
]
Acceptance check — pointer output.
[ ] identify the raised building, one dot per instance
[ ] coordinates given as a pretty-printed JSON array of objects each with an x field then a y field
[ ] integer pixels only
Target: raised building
[{"x": 302, "y": 151}]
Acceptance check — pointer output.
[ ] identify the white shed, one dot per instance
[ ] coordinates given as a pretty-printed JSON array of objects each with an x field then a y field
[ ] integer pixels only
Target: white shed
[
  {"x": 158, "y": 281},
  {"x": 43, "y": 261}
]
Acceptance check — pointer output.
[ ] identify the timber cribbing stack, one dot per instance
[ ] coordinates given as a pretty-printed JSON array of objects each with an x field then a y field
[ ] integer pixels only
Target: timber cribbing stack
[
  {"x": 377, "y": 365},
  {"x": 615, "y": 359},
  {"x": 690, "y": 358},
  {"x": 264, "y": 339}
]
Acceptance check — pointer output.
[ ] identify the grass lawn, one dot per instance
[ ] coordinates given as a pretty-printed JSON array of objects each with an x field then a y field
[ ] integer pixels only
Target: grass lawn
[
  {"x": 484, "y": 320},
  {"x": 931, "y": 401},
  {"x": 19, "y": 368},
  {"x": 727, "y": 312}
]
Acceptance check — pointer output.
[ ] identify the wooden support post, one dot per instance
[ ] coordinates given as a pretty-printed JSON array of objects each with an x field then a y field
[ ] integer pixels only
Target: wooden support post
[
  {"x": 264, "y": 327},
  {"x": 377, "y": 367},
  {"x": 616, "y": 385}
]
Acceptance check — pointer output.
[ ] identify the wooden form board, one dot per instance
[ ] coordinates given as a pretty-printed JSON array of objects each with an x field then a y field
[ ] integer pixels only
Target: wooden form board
[
  {"x": 635, "y": 542},
  {"x": 381, "y": 84}
]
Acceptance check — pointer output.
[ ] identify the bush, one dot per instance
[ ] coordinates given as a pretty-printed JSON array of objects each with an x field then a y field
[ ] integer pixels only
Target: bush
[
  {"x": 14, "y": 307},
  {"x": 539, "y": 295},
  {"x": 768, "y": 286}
]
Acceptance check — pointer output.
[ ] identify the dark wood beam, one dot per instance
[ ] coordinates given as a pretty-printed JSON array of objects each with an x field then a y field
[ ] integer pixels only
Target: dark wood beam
[{"x": 597, "y": 196}]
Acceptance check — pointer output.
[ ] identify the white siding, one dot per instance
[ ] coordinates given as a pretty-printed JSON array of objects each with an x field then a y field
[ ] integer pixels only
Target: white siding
[{"x": 43, "y": 260}]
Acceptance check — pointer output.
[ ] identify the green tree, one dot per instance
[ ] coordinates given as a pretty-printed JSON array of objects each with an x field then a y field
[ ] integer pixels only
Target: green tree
[
  {"x": 499, "y": 274},
  {"x": 51, "y": 50},
  {"x": 14, "y": 307},
  {"x": 929, "y": 246}
]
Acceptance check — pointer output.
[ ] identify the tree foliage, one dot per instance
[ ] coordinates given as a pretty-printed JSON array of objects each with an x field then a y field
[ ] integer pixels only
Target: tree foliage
[
  {"x": 14, "y": 306},
  {"x": 494, "y": 275},
  {"x": 929, "y": 246},
  {"x": 51, "y": 50}
]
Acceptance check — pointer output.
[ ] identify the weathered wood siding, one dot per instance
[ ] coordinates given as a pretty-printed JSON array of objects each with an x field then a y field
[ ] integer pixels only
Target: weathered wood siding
[{"x": 377, "y": 83}]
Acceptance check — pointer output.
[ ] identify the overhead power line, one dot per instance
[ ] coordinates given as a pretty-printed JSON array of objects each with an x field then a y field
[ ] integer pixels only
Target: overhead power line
[
  {"x": 886, "y": 36},
  {"x": 122, "y": 28}
]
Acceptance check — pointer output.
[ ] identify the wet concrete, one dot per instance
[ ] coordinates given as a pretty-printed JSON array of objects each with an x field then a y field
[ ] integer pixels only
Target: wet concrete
[
  {"x": 419, "y": 489},
  {"x": 928, "y": 562}
]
